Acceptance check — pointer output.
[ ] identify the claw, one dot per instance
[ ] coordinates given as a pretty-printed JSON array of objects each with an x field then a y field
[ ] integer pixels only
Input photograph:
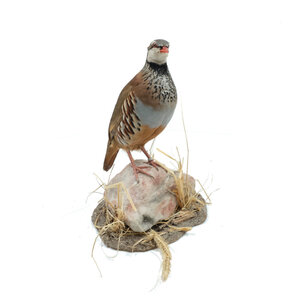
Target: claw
[
  {"x": 137, "y": 169},
  {"x": 150, "y": 159},
  {"x": 153, "y": 164}
]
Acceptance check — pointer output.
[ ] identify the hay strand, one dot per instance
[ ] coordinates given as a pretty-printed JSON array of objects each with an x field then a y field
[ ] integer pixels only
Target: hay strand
[
  {"x": 163, "y": 246},
  {"x": 174, "y": 228},
  {"x": 166, "y": 254},
  {"x": 118, "y": 185},
  {"x": 92, "y": 254}
]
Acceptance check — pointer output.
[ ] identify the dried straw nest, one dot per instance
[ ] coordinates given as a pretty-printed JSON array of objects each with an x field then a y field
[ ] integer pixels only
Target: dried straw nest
[{"x": 191, "y": 211}]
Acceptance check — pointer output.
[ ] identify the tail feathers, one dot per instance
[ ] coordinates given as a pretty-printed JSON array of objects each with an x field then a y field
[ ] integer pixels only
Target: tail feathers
[{"x": 111, "y": 153}]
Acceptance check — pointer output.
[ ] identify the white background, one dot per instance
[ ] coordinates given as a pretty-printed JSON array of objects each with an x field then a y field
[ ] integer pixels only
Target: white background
[{"x": 236, "y": 65}]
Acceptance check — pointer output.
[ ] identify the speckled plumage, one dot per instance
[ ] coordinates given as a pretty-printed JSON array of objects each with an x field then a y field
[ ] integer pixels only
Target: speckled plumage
[{"x": 144, "y": 108}]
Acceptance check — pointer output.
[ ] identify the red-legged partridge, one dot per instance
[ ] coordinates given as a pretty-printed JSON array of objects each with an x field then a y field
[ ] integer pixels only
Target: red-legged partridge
[{"x": 144, "y": 108}]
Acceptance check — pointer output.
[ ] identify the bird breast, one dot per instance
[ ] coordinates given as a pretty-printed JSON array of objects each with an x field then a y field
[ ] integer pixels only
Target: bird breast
[
  {"x": 157, "y": 108},
  {"x": 154, "y": 116}
]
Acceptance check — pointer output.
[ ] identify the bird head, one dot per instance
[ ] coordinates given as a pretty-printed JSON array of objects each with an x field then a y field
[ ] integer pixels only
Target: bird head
[{"x": 158, "y": 52}]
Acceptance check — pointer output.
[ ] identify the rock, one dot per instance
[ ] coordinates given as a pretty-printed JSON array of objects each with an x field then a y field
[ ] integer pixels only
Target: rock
[
  {"x": 131, "y": 242},
  {"x": 152, "y": 197}
]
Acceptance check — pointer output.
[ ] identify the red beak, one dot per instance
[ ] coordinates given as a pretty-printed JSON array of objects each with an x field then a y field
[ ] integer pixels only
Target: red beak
[{"x": 164, "y": 49}]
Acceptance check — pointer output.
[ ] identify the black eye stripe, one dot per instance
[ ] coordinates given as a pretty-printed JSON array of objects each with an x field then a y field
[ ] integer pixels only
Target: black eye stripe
[
  {"x": 154, "y": 45},
  {"x": 160, "y": 46}
]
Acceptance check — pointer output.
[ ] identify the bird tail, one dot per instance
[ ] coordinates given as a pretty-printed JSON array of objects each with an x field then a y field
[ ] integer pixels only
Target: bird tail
[{"x": 111, "y": 153}]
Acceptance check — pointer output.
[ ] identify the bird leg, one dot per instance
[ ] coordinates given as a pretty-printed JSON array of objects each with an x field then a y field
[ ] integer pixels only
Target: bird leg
[
  {"x": 150, "y": 159},
  {"x": 137, "y": 169}
]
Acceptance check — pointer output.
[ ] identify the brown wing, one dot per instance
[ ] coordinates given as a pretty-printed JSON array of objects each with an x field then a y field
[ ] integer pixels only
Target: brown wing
[
  {"x": 112, "y": 147},
  {"x": 136, "y": 87},
  {"x": 117, "y": 116}
]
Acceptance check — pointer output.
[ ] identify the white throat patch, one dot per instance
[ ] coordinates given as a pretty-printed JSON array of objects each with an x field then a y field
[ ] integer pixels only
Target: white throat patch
[{"x": 155, "y": 56}]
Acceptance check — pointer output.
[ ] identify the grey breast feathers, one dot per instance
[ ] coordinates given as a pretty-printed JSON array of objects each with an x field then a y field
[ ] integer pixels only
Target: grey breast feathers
[{"x": 154, "y": 116}]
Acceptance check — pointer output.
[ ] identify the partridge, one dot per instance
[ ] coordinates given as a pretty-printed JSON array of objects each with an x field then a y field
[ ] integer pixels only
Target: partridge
[{"x": 144, "y": 108}]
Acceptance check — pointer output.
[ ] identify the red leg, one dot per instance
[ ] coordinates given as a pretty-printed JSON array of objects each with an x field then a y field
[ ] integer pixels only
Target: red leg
[
  {"x": 150, "y": 159},
  {"x": 135, "y": 168}
]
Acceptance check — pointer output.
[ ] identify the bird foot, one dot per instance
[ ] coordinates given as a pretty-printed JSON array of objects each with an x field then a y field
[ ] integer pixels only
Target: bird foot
[
  {"x": 153, "y": 164},
  {"x": 137, "y": 170}
]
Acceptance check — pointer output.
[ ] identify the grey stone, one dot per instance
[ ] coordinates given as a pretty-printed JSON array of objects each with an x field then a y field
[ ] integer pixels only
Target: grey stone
[{"x": 152, "y": 196}]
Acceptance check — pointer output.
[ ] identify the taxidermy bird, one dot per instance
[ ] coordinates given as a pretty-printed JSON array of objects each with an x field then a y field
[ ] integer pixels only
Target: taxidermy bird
[{"x": 144, "y": 108}]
